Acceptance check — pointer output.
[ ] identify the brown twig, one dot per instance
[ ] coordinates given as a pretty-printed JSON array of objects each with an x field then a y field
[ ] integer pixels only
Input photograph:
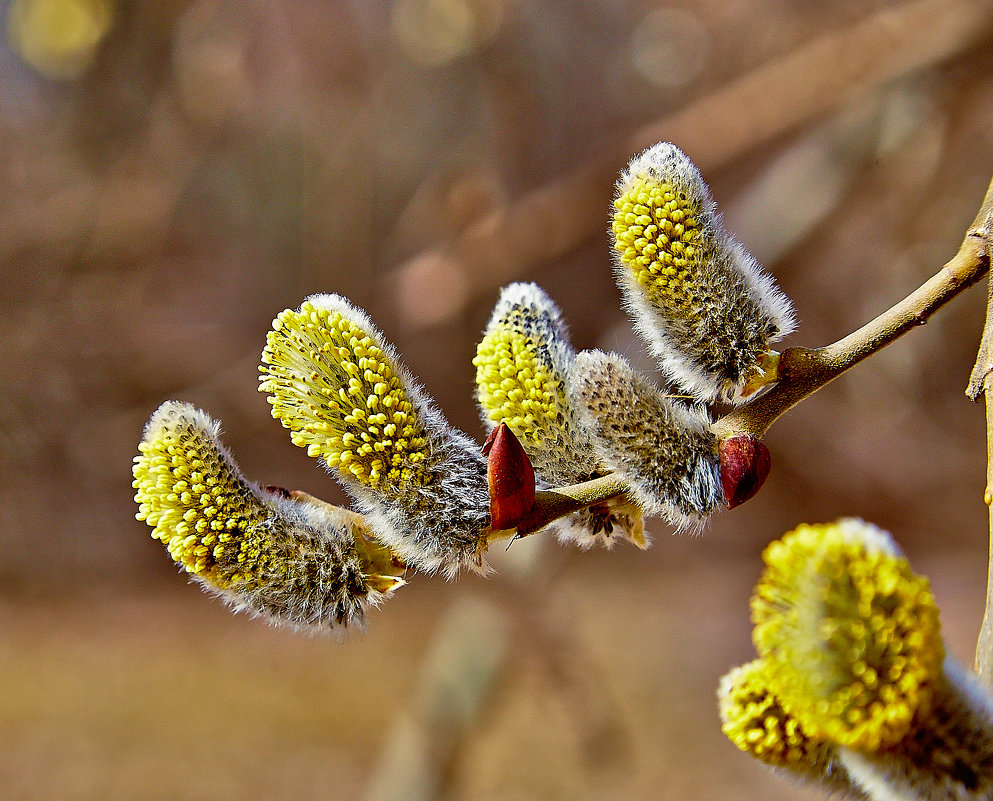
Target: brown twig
[
  {"x": 550, "y": 505},
  {"x": 803, "y": 371},
  {"x": 984, "y": 643},
  {"x": 980, "y": 383}
]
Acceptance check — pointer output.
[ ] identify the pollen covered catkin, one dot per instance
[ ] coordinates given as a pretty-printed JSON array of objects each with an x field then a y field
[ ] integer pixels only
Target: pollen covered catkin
[
  {"x": 707, "y": 310},
  {"x": 850, "y": 645},
  {"x": 521, "y": 365},
  {"x": 306, "y": 565},
  {"x": 753, "y": 718},
  {"x": 661, "y": 447},
  {"x": 850, "y": 632},
  {"x": 341, "y": 391},
  {"x": 947, "y": 754}
]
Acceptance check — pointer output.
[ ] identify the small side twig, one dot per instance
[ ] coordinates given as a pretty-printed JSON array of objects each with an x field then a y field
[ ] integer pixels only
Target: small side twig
[
  {"x": 550, "y": 505},
  {"x": 980, "y": 383},
  {"x": 803, "y": 371},
  {"x": 979, "y": 380}
]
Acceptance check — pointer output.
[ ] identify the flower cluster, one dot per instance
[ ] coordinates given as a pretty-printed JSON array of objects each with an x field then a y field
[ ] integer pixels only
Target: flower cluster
[
  {"x": 852, "y": 686},
  {"x": 709, "y": 314},
  {"x": 428, "y": 496},
  {"x": 292, "y": 561},
  {"x": 342, "y": 392},
  {"x": 523, "y": 367}
]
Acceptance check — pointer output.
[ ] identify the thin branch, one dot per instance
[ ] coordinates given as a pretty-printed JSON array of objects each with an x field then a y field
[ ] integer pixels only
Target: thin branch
[
  {"x": 804, "y": 371},
  {"x": 984, "y": 643},
  {"x": 550, "y": 505},
  {"x": 980, "y": 383}
]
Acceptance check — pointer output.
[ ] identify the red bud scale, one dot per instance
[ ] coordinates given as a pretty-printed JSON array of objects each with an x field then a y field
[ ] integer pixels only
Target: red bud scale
[{"x": 511, "y": 479}]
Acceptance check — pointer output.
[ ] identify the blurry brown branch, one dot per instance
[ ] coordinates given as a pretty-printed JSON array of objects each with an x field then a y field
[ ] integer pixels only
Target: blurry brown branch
[{"x": 560, "y": 216}]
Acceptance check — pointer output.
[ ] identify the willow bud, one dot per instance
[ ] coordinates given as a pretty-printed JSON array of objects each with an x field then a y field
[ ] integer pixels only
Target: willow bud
[
  {"x": 510, "y": 477},
  {"x": 303, "y": 564},
  {"x": 703, "y": 304}
]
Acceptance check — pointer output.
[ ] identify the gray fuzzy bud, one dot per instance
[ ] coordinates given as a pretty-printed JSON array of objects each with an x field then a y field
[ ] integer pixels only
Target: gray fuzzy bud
[
  {"x": 707, "y": 310},
  {"x": 662, "y": 448}
]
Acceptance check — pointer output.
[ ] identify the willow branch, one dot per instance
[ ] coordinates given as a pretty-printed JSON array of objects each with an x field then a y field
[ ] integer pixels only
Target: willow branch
[
  {"x": 980, "y": 383},
  {"x": 803, "y": 371},
  {"x": 550, "y": 505},
  {"x": 984, "y": 643}
]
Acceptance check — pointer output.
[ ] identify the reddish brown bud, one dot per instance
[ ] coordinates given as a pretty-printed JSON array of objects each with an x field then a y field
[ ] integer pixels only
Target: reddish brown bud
[
  {"x": 745, "y": 464},
  {"x": 511, "y": 479}
]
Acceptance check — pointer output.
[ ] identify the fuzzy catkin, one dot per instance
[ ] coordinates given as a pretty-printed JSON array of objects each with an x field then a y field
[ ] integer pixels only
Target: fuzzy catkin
[
  {"x": 754, "y": 720},
  {"x": 707, "y": 310},
  {"x": 521, "y": 368},
  {"x": 851, "y": 633},
  {"x": 522, "y": 364},
  {"x": 307, "y": 566},
  {"x": 662, "y": 448},
  {"x": 852, "y": 683},
  {"x": 947, "y": 755},
  {"x": 343, "y": 393}
]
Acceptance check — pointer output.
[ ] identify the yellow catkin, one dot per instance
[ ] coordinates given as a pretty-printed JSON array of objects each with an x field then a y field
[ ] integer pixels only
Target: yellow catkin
[
  {"x": 335, "y": 387},
  {"x": 342, "y": 392},
  {"x": 298, "y": 562},
  {"x": 755, "y": 721},
  {"x": 515, "y": 387},
  {"x": 705, "y": 307},
  {"x": 657, "y": 235},
  {"x": 203, "y": 512},
  {"x": 850, "y": 632},
  {"x": 523, "y": 364}
]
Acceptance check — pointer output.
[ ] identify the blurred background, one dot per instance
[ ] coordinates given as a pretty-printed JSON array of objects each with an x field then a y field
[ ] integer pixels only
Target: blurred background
[{"x": 176, "y": 173}]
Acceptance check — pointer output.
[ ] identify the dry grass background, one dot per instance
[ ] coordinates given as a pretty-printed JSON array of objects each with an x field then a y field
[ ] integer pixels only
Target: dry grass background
[{"x": 203, "y": 165}]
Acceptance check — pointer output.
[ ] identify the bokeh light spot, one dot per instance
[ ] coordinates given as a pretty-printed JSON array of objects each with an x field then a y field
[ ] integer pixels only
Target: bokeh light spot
[
  {"x": 436, "y": 32},
  {"x": 58, "y": 38},
  {"x": 670, "y": 47}
]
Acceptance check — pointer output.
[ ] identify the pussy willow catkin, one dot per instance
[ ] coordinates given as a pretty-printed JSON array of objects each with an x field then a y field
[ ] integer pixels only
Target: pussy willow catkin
[
  {"x": 340, "y": 389},
  {"x": 853, "y": 683},
  {"x": 851, "y": 633},
  {"x": 661, "y": 447},
  {"x": 306, "y": 565},
  {"x": 703, "y": 304}
]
